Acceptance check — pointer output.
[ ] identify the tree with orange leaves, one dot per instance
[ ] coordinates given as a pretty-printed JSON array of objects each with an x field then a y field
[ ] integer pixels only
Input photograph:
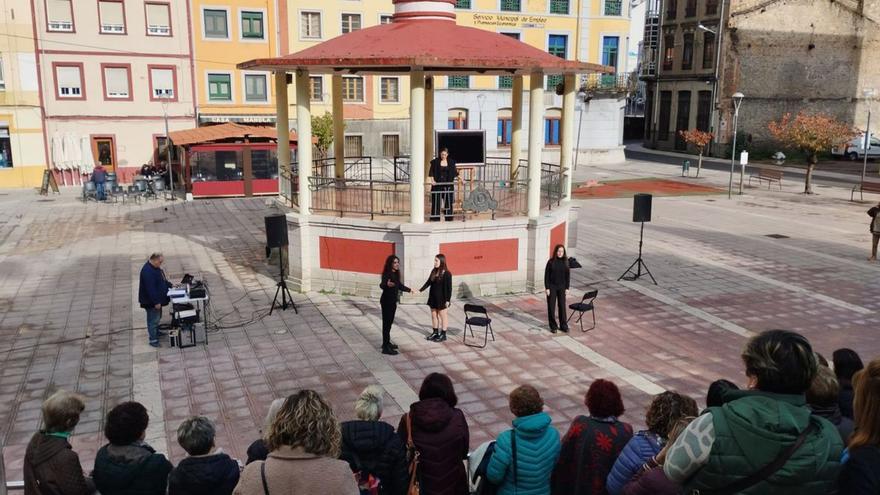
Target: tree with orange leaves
[
  {"x": 811, "y": 134},
  {"x": 700, "y": 139}
]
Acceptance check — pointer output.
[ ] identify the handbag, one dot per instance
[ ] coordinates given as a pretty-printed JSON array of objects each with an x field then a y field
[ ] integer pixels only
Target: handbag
[
  {"x": 413, "y": 455},
  {"x": 263, "y": 476}
]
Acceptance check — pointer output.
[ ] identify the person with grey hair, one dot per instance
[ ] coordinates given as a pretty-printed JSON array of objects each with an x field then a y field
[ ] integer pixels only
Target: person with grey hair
[
  {"x": 372, "y": 448},
  {"x": 822, "y": 400},
  {"x": 258, "y": 451},
  {"x": 207, "y": 470},
  {"x": 153, "y": 294}
]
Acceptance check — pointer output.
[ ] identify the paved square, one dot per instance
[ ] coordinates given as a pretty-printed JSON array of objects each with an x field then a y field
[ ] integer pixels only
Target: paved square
[{"x": 69, "y": 317}]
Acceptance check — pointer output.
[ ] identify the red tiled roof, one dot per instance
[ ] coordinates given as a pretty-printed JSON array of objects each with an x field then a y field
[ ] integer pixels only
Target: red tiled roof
[
  {"x": 434, "y": 45},
  {"x": 220, "y": 132}
]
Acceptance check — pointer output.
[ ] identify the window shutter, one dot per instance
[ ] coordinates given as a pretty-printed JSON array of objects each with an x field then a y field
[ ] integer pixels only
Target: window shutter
[
  {"x": 111, "y": 14},
  {"x": 116, "y": 79},
  {"x": 68, "y": 77},
  {"x": 60, "y": 10},
  {"x": 157, "y": 15},
  {"x": 163, "y": 79}
]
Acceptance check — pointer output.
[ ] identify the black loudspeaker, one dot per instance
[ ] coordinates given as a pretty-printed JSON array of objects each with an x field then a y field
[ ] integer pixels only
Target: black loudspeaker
[
  {"x": 641, "y": 207},
  {"x": 276, "y": 231}
]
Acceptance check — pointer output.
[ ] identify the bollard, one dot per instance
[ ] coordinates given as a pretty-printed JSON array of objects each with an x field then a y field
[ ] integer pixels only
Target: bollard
[{"x": 686, "y": 168}]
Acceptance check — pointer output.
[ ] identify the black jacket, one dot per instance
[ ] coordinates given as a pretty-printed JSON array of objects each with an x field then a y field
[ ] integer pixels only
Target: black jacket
[
  {"x": 380, "y": 452},
  {"x": 208, "y": 475},
  {"x": 257, "y": 451},
  {"x": 134, "y": 469},
  {"x": 443, "y": 174},
  {"x": 860, "y": 475},
  {"x": 153, "y": 287},
  {"x": 557, "y": 275},
  {"x": 845, "y": 398},
  {"x": 442, "y": 286},
  {"x": 392, "y": 293}
]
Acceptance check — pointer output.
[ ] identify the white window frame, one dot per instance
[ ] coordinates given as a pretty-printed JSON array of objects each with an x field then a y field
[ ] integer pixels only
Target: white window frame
[
  {"x": 129, "y": 84},
  {"x": 101, "y": 24},
  {"x": 384, "y": 15},
  {"x": 571, "y": 7},
  {"x": 245, "y": 99},
  {"x": 65, "y": 29},
  {"x": 363, "y": 93},
  {"x": 299, "y": 24},
  {"x": 228, "y": 23},
  {"x": 265, "y": 37},
  {"x": 321, "y": 96},
  {"x": 58, "y": 93},
  {"x": 623, "y": 13},
  {"x": 379, "y": 91},
  {"x": 341, "y": 21},
  {"x": 169, "y": 27},
  {"x": 208, "y": 100},
  {"x": 153, "y": 95}
]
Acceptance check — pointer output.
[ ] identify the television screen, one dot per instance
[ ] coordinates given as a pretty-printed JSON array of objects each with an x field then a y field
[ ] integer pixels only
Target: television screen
[{"x": 465, "y": 146}]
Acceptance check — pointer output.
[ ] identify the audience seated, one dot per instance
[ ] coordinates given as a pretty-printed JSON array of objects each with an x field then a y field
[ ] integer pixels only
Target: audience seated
[
  {"x": 717, "y": 389},
  {"x": 651, "y": 480},
  {"x": 441, "y": 437},
  {"x": 664, "y": 412},
  {"x": 372, "y": 448},
  {"x": 822, "y": 400},
  {"x": 592, "y": 443},
  {"x": 731, "y": 443},
  {"x": 846, "y": 363},
  {"x": 525, "y": 470},
  {"x": 861, "y": 468},
  {"x": 127, "y": 465},
  {"x": 258, "y": 450},
  {"x": 207, "y": 471},
  {"x": 304, "y": 444},
  {"x": 51, "y": 467}
]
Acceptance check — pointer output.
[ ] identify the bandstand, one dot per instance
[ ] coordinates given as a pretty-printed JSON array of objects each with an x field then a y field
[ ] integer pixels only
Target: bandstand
[{"x": 351, "y": 213}]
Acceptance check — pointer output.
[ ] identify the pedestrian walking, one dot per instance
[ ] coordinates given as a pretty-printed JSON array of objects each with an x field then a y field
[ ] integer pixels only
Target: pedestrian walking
[
  {"x": 439, "y": 297},
  {"x": 874, "y": 227},
  {"x": 557, "y": 278},
  {"x": 153, "y": 294},
  {"x": 99, "y": 177},
  {"x": 442, "y": 173},
  {"x": 391, "y": 288}
]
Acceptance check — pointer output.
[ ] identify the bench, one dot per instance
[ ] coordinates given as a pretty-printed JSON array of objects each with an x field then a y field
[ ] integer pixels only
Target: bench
[
  {"x": 771, "y": 175},
  {"x": 862, "y": 187}
]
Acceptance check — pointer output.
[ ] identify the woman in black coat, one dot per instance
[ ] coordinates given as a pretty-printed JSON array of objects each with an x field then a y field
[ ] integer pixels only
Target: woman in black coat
[
  {"x": 442, "y": 173},
  {"x": 391, "y": 288},
  {"x": 439, "y": 296},
  {"x": 557, "y": 277}
]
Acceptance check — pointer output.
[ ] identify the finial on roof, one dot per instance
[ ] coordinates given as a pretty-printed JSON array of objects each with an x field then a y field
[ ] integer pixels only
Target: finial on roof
[{"x": 420, "y": 10}]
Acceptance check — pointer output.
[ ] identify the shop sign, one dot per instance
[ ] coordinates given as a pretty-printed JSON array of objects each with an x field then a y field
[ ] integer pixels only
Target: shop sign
[
  {"x": 239, "y": 119},
  {"x": 510, "y": 21}
]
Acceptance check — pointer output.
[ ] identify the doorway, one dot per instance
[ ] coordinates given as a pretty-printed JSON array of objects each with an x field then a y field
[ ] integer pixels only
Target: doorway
[{"x": 104, "y": 151}]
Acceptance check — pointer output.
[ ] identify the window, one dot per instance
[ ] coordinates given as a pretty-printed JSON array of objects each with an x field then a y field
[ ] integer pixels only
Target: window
[
  {"x": 510, "y": 6},
  {"x": 158, "y": 19},
  {"x": 59, "y": 15},
  {"x": 560, "y": 6},
  {"x": 553, "y": 81},
  {"x": 704, "y": 110},
  {"x": 163, "y": 82},
  {"x": 665, "y": 114},
  {"x": 457, "y": 118},
  {"x": 390, "y": 145},
  {"x": 462, "y": 4},
  {"x": 690, "y": 8},
  {"x": 385, "y": 19},
  {"x": 671, "y": 8},
  {"x": 458, "y": 82},
  {"x": 252, "y": 25},
  {"x": 551, "y": 127},
  {"x": 506, "y": 82},
  {"x": 682, "y": 118},
  {"x": 219, "y": 87},
  {"x": 350, "y": 22},
  {"x": 216, "y": 25},
  {"x": 5, "y": 148},
  {"x": 353, "y": 89},
  {"x": 69, "y": 82},
  {"x": 354, "y": 146},
  {"x": 2, "y": 79},
  {"x": 112, "y": 17},
  {"x": 505, "y": 126},
  {"x": 613, "y": 7},
  {"x": 117, "y": 82},
  {"x": 668, "y": 51},
  {"x": 389, "y": 90},
  {"x": 687, "y": 52},
  {"x": 255, "y": 88},
  {"x": 708, "y": 50},
  {"x": 557, "y": 44},
  {"x": 310, "y": 25},
  {"x": 711, "y": 7},
  {"x": 610, "y": 50},
  {"x": 316, "y": 88}
]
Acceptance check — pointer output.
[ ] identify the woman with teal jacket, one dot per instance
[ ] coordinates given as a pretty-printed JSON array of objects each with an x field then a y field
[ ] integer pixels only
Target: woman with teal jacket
[{"x": 524, "y": 456}]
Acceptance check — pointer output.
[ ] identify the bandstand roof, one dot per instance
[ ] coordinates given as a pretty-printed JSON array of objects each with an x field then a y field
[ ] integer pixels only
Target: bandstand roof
[{"x": 436, "y": 46}]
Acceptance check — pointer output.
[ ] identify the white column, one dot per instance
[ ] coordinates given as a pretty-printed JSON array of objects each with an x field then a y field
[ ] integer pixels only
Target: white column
[
  {"x": 338, "y": 127},
  {"x": 567, "y": 139},
  {"x": 536, "y": 141},
  {"x": 417, "y": 146},
  {"x": 516, "y": 117},
  {"x": 282, "y": 123},
  {"x": 304, "y": 139}
]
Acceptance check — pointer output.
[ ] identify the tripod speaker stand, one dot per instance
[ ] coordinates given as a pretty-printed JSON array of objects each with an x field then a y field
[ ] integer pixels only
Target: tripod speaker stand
[
  {"x": 641, "y": 213},
  {"x": 276, "y": 237},
  {"x": 283, "y": 291}
]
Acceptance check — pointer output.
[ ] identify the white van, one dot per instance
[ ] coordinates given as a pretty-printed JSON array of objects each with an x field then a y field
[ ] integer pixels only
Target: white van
[{"x": 855, "y": 149}]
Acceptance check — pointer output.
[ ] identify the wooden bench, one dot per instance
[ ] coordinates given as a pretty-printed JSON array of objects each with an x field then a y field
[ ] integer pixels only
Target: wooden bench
[
  {"x": 861, "y": 187},
  {"x": 771, "y": 175}
]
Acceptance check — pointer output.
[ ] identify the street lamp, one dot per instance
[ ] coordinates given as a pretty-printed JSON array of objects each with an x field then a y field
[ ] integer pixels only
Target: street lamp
[
  {"x": 165, "y": 98},
  {"x": 704, "y": 28},
  {"x": 737, "y": 101},
  {"x": 868, "y": 94},
  {"x": 582, "y": 98},
  {"x": 480, "y": 99}
]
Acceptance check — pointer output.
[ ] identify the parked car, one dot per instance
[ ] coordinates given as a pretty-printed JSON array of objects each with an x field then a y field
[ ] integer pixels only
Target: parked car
[{"x": 855, "y": 149}]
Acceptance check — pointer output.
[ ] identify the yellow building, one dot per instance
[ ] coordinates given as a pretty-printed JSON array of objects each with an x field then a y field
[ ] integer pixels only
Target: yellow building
[{"x": 23, "y": 153}]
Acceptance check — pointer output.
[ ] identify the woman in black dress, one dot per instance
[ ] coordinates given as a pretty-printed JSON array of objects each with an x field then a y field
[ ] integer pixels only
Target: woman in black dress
[
  {"x": 557, "y": 277},
  {"x": 391, "y": 289},
  {"x": 439, "y": 296},
  {"x": 442, "y": 174}
]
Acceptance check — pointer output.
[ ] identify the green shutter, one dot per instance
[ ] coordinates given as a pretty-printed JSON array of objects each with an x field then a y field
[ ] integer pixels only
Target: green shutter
[{"x": 252, "y": 25}]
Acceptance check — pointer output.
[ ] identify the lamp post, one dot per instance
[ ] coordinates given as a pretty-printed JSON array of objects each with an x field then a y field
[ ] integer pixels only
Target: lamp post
[
  {"x": 868, "y": 94},
  {"x": 737, "y": 101},
  {"x": 481, "y": 98},
  {"x": 168, "y": 147}
]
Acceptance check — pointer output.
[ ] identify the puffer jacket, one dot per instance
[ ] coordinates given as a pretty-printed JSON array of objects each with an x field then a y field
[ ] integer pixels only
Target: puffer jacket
[
  {"x": 134, "y": 469},
  {"x": 537, "y": 448},
  {"x": 440, "y": 434},
  {"x": 641, "y": 447},
  {"x": 379, "y": 451},
  {"x": 215, "y": 474},
  {"x": 51, "y": 467}
]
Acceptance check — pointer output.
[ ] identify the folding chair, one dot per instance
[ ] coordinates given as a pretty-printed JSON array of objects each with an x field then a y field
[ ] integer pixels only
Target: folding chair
[
  {"x": 89, "y": 191},
  {"x": 477, "y": 321},
  {"x": 132, "y": 193},
  {"x": 159, "y": 188},
  {"x": 115, "y": 191},
  {"x": 582, "y": 307}
]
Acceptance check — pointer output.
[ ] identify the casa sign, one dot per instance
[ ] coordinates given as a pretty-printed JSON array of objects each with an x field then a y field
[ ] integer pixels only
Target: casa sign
[{"x": 513, "y": 21}]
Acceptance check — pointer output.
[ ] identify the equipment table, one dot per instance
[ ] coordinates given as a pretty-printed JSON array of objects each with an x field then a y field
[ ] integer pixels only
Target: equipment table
[{"x": 202, "y": 308}]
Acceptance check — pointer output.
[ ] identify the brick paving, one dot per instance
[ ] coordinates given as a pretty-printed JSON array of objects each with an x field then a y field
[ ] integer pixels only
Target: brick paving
[{"x": 69, "y": 319}]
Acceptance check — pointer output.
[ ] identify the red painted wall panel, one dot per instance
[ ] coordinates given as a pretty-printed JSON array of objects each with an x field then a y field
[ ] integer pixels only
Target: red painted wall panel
[
  {"x": 557, "y": 236},
  {"x": 466, "y": 258},
  {"x": 354, "y": 255},
  {"x": 265, "y": 186},
  {"x": 218, "y": 188}
]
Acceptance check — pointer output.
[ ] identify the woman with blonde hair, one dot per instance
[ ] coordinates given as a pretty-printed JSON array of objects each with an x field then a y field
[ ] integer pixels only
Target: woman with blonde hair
[
  {"x": 861, "y": 468},
  {"x": 304, "y": 442},
  {"x": 258, "y": 450}
]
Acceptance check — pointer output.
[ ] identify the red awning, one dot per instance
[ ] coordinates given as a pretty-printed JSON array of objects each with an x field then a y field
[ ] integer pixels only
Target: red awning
[{"x": 222, "y": 132}]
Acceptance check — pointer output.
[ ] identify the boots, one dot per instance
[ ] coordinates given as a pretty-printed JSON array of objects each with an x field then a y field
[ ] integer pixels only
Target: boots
[
  {"x": 387, "y": 349},
  {"x": 434, "y": 335},
  {"x": 442, "y": 337},
  {"x": 392, "y": 345}
]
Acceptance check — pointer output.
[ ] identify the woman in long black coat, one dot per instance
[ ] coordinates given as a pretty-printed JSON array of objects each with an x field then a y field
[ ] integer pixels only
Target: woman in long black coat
[
  {"x": 442, "y": 173},
  {"x": 391, "y": 288},
  {"x": 557, "y": 279},
  {"x": 439, "y": 297}
]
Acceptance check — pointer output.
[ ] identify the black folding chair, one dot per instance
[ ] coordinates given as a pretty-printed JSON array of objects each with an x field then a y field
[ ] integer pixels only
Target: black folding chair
[
  {"x": 582, "y": 307},
  {"x": 477, "y": 321},
  {"x": 89, "y": 191}
]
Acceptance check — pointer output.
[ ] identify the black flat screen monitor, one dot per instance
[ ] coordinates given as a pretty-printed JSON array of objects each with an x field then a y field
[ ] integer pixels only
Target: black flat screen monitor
[{"x": 465, "y": 146}]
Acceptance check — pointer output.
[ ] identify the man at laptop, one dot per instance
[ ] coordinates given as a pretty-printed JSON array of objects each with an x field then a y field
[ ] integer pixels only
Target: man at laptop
[{"x": 153, "y": 294}]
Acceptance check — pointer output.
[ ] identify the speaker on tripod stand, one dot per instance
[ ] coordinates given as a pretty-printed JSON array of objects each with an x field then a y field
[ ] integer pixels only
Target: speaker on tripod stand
[
  {"x": 642, "y": 214},
  {"x": 276, "y": 237}
]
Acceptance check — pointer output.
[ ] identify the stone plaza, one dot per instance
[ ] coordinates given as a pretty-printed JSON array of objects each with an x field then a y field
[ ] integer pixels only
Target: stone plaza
[{"x": 726, "y": 269}]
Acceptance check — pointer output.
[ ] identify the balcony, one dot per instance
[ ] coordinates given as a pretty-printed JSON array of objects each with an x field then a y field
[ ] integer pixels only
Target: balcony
[{"x": 617, "y": 84}]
